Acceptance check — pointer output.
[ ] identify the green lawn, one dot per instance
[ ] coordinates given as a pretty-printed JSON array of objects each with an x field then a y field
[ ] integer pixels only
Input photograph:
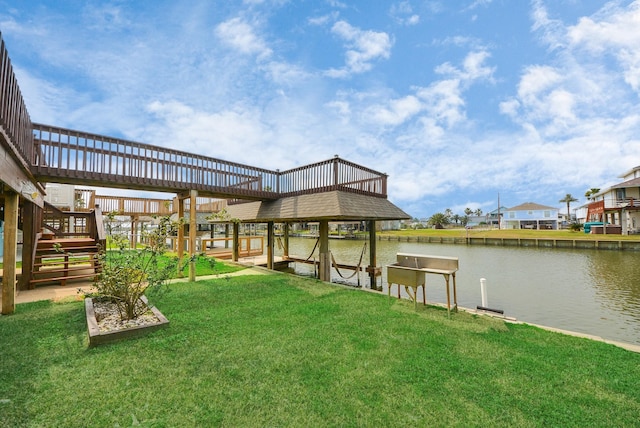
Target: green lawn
[{"x": 280, "y": 350}]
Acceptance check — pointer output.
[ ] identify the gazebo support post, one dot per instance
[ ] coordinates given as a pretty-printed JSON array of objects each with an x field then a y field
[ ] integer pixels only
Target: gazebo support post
[
  {"x": 325, "y": 257},
  {"x": 270, "y": 244},
  {"x": 372, "y": 268},
  {"x": 286, "y": 241}
]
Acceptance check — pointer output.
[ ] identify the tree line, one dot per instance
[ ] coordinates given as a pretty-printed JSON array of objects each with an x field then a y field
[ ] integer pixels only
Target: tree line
[{"x": 442, "y": 219}]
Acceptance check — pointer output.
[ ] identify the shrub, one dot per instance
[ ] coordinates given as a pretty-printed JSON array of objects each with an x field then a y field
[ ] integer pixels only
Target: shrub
[
  {"x": 575, "y": 227},
  {"x": 127, "y": 274}
]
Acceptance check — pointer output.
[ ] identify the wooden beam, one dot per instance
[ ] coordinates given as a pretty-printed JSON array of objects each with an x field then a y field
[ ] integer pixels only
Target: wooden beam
[
  {"x": 270, "y": 244},
  {"x": 325, "y": 257},
  {"x": 286, "y": 240},
  {"x": 372, "y": 269},
  {"x": 11, "y": 203},
  {"x": 193, "y": 228},
  {"x": 134, "y": 232},
  {"x": 180, "y": 246},
  {"x": 31, "y": 221},
  {"x": 14, "y": 175},
  {"x": 236, "y": 242}
]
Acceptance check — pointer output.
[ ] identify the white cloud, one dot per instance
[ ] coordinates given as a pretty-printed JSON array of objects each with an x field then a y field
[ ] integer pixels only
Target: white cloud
[
  {"x": 238, "y": 34},
  {"x": 444, "y": 102},
  {"x": 616, "y": 33},
  {"x": 363, "y": 47},
  {"x": 403, "y": 14},
  {"x": 323, "y": 19},
  {"x": 396, "y": 112},
  {"x": 553, "y": 31},
  {"x": 479, "y": 3}
]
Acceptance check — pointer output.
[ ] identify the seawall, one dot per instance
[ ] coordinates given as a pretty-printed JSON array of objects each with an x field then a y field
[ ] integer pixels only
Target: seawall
[{"x": 562, "y": 243}]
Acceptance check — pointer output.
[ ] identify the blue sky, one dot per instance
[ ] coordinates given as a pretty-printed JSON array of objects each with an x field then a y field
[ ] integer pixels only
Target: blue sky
[{"x": 458, "y": 101}]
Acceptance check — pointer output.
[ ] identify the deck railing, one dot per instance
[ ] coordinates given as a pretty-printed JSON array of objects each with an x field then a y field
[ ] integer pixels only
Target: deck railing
[
  {"x": 14, "y": 117},
  {"x": 76, "y": 156},
  {"x": 127, "y": 205},
  {"x": 332, "y": 174},
  {"x": 111, "y": 162}
]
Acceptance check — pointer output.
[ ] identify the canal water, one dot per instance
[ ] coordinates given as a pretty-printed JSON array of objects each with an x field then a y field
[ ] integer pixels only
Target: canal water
[{"x": 595, "y": 292}]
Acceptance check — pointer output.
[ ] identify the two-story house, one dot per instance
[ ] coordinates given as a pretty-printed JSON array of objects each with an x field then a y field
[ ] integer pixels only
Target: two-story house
[
  {"x": 530, "y": 216},
  {"x": 619, "y": 204}
]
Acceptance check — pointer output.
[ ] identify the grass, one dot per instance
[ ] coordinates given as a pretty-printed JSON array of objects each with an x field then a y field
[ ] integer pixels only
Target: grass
[
  {"x": 205, "y": 265},
  {"x": 279, "y": 350},
  {"x": 508, "y": 234}
]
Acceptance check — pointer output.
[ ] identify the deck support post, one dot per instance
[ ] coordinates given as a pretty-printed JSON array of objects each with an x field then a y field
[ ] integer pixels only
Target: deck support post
[
  {"x": 270, "y": 244},
  {"x": 236, "y": 242},
  {"x": 285, "y": 235},
  {"x": 11, "y": 203},
  {"x": 193, "y": 229},
  {"x": 134, "y": 231},
  {"x": 31, "y": 221},
  {"x": 325, "y": 256},
  {"x": 180, "y": 243},
  {"x": 372, "y": 269}
]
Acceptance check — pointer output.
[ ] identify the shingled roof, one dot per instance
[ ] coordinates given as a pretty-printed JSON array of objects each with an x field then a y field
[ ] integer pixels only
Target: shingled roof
[
  {"x": 531, "y": 206},
  {"x": 331, "y": 206}
]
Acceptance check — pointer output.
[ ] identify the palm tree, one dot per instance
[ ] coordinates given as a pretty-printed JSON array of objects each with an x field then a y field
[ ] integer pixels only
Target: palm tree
[
  {"x": 468, "y": 211},
  {"x": 591, "y": 193},
  {"x": 456, "y": 218},
  {"x": 448, "y": 212},
  {"x": 438, "y": 220},
  {"x": 478, "y": 212},
  {"x": 568, "y": 199}
]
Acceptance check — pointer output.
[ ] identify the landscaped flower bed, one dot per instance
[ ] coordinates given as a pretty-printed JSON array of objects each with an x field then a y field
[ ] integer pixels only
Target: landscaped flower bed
[{"x": 103, "y": 329}]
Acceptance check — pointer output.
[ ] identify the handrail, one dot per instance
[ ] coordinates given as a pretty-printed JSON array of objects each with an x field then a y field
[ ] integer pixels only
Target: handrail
[
  {"x": 15, "y": 123},
  {"x": 53, "y": 214},
  {"x": 98, "y": 233},
  {"x": 75, "y": 155},
  {"x": 66, "y": 155},
  {"x": 332, "y": 174}
]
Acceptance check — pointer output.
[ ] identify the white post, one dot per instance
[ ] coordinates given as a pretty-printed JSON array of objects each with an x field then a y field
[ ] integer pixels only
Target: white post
[{"x": 483, "y": 291}]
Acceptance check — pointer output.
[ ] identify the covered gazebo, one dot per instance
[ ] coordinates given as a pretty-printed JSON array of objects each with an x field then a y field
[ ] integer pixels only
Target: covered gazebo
[{"x": 334, "y": 206}]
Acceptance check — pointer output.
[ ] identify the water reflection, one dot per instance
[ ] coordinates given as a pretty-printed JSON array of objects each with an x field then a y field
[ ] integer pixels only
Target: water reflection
[{"x": 589, "y": 291}]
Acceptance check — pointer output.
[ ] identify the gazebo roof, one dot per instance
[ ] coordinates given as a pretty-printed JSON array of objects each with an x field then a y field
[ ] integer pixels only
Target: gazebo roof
[{"x": 331, "y": 206}]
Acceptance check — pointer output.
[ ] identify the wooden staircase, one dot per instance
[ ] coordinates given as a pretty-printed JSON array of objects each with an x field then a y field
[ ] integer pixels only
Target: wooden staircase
[
  {"x": 58, "y": 260},
  {"x": 66, "y": 250}
]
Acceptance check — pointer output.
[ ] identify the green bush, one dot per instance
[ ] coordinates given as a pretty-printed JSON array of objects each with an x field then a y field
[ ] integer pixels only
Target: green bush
[
  {"x": 575, "y": 227},
  {"x": 127, "y": 274}
]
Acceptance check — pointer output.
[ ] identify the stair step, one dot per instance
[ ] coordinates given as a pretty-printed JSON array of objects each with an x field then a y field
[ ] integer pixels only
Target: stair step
[
  {"x": 53, "y": 255},
  {"x": 51, "y": 250},
  {"x": 69, "y": 261},
  {"x": 62, "y": 280},
  {"x": 65, "y": 270}
]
